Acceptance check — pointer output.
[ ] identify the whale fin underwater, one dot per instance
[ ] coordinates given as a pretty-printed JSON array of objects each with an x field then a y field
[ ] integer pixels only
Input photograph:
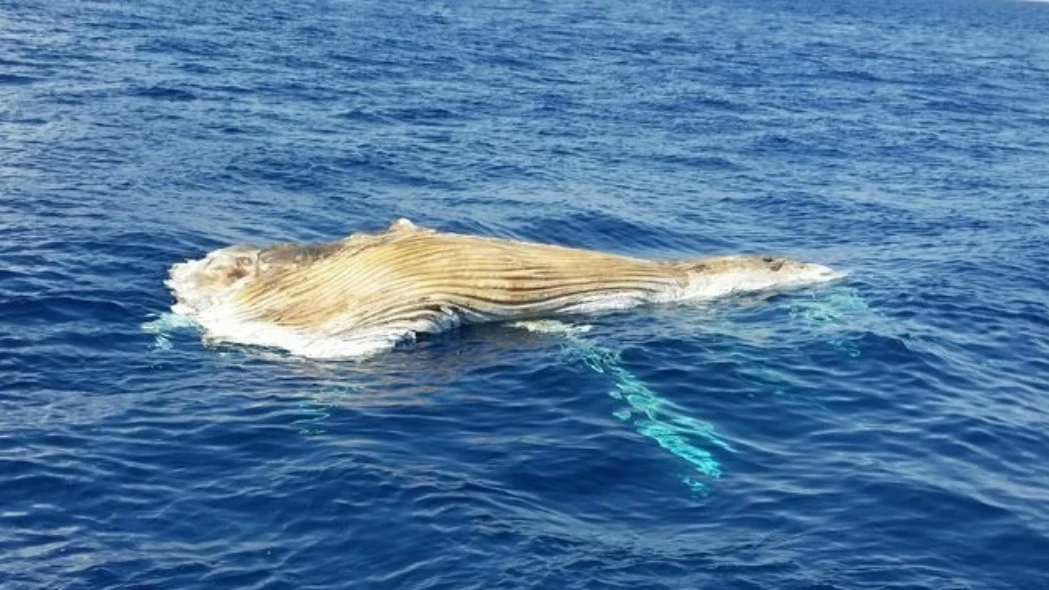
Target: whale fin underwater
[{"x": 370, "y": 291}]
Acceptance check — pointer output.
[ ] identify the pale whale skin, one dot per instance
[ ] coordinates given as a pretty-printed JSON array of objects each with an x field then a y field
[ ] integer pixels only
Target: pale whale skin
[{"x": 368, "y": 292}]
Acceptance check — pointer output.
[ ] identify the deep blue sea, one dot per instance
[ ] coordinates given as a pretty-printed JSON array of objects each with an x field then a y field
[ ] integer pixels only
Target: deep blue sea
[{"x": 890, "y": 430}]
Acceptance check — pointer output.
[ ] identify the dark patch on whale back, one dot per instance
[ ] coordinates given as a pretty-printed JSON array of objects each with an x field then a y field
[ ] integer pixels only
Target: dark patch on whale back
[
  {"x": 296, "y": 254},
  {"x": 774, "y": 264}
]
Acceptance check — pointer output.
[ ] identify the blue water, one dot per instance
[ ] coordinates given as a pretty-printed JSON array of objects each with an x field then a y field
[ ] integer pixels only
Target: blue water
[{"x": 887, "y": 431}]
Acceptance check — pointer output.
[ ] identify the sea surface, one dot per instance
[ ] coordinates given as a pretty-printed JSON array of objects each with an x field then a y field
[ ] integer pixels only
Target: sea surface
[{"x": 890, "y": 430}]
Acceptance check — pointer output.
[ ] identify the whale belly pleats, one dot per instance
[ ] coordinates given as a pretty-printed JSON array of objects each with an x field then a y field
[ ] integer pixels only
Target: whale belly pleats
[{"x": 419, "y": 276}]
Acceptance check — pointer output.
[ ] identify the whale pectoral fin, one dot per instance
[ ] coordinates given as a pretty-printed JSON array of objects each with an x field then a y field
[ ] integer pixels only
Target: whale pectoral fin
[{"x": 289, "y": 256}]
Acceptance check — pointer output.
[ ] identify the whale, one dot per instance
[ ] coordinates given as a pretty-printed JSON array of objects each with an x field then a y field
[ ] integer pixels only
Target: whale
[{"x": 370, "y": 292}]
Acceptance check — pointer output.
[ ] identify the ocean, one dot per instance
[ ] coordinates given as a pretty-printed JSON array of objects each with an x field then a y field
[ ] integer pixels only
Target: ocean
[{"x": 889, "y": 430}]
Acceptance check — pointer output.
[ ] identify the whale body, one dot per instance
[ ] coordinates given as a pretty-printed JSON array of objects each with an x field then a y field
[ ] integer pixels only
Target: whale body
[{"x": 368, "y": 292}]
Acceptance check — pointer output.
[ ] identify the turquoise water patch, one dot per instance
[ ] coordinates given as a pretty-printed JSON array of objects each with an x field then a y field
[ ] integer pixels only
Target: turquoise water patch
[
  {"x": 164, "y": 326},
  {"x": 835, "y": 314}
]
